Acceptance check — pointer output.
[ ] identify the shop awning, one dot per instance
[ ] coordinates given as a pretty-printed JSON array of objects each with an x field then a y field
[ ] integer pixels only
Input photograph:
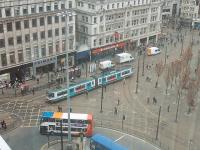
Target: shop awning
[{"x": 83, "y": 55}]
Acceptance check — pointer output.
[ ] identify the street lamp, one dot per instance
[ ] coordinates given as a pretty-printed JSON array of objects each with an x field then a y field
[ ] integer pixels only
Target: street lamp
[{"x": 65, "y": 14}]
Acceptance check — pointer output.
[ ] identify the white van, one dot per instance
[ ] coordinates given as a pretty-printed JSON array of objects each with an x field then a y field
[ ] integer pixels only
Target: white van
[
  {"x": 123, "y": 57},
  {"x": 153, "y": 51},
  {"x": 106, "y": 64}
]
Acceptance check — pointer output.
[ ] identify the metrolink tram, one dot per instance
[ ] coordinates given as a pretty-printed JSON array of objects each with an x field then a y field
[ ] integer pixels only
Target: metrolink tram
[{"x": 94, "y": 82}]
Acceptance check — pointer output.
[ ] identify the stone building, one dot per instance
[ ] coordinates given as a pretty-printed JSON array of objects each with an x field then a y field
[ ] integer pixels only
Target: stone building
[
  {"x": 32, "y": 36},
  {"x": 106, "y": 27}
]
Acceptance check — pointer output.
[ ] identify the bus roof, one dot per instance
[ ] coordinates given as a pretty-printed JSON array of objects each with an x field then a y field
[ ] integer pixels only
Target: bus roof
[
  {"x": 154, "y": 48},
  {"x": 107, "y": 142},
  {"x": 60, "y": 115}
]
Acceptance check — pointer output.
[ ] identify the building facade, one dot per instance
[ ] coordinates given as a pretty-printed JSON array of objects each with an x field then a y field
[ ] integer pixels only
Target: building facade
[
  {"x": 108, "y": 26},
  {"x": 170, "y": 10},
  {"x": 32, "y": 36},
  {"x": 190, "y": 12}
]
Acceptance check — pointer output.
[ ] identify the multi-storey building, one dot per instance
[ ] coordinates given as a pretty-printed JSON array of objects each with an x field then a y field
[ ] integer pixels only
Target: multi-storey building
[
  {"x": 190, "y": 11},
  {"x": 106, "y": 26},
  {"x": 32, "y": 35},
  {"x": 170, "y": 10}
]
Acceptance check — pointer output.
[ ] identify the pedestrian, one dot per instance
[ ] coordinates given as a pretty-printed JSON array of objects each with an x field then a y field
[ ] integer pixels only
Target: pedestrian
[
  {"x": 38, "y": 80},
  {"x": 2, "y": 123},
  {"x": 124, "y": 81},
  {"x": 154, "y": 100},
  {"x": 59, "y": 108},
  {"x": 115, "y": 110},
  {"x": 33, "y": 90},
  {"x": 118, "y": 102},
  {"x": 148, "y": 100},
  {"x": 70, "y": 109},
  {"x": 168, "y": 108},
  {"x": 5, "y": 126}
]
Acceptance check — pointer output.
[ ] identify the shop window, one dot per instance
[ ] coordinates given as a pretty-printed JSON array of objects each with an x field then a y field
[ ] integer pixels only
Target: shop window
[
  {"x": 2, "y": 43},
  {"x": 9, "y": 26},
  {"x": 63, "y": 30},
  {"x": 3, "y": 60},
  {"x": 26, "y": 24},
  {"x": 10, "y": 41},
  {"x": 18, "y": 25}
]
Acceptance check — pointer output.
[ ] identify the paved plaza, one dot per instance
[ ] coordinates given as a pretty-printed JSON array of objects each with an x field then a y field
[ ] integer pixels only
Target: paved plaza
[{"x": 141, "y": 116}]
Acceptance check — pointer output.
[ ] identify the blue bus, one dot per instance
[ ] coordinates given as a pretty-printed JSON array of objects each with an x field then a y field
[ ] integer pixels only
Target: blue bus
[{"x": 100, "y": 142}]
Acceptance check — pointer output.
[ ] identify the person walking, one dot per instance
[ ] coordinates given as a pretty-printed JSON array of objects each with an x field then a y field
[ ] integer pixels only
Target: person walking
[
  {"x": 33, "y": 90},
  {"x": 168, "y": 107},
  {"x": 118, "y": 102},
  {"x": 115, "y": 110}
]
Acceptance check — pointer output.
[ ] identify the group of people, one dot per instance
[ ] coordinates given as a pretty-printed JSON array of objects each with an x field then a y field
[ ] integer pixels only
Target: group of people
[{"x": 3, "y": 125}]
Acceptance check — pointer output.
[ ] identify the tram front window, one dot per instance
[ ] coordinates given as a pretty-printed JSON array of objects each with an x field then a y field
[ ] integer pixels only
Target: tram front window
[{"x": 51, "y": 95}]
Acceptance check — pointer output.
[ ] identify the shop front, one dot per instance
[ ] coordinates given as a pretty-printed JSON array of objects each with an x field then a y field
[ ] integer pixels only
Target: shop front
[
  {"x": 107, "y": 51},
  {"x": 82, "y": 56}
]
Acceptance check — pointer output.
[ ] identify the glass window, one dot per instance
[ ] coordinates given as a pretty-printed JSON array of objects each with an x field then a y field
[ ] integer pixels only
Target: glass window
[
  {"x": 17, "y": 11},
  {"x": 36, "y": 51},
  {"x": 9, "y": 26},
  {"x": 49, "y": 20},
  {"x": 43, "y": 50},
  {"x": 0, "y": 13},
  {"x": 33, "y": 9},
  {"x": 63, "y": 30},
  {"x": 25, "y": 11},
  {"x": 20, "y": 56},
  {"x": 18, "y": 25},
  {"x": 10, "y": 41},
  {"x": 1, "y": 28},
  {"x": 27, "y": 38},
  {"x": 26, "y": 24},
  {"x": 35, "y": 36},
  {"x": 19, "y": 39},
  {"x": 28, "y": 54},
  {"x": 70, "y": 4},
  {"x": 56, "y": 19},
  {"x": 62, "y": 6},
  {"x": 57, "y": 32},
  {"x": 34, "y": 22},
  {"x": 50, "y": 46},
  {"x": 63, "y": 18},
  {"x": 49, "y": 33},
  {"x": 42, "y": 34},
  {"x": 48, "y": 7},
  {"x": 12, "y": 57},
  {"x": 71, "y": 29},
  {"x": 70, "y": 18},
  {"x": 2, "y": 43},
  {"x": 41, "y": 9},
  {"x": 3, "y": 59},
  {"x": 42, "y": 21},
  {"x": 55, "y": 6},
  {"x": 8, "y": 12},
  {"x": 57, "y": 47}
]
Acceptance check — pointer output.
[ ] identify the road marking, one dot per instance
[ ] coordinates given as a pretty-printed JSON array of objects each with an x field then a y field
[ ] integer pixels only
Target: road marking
[
  {"x": 38, "y": 117},
  {"x": 26, "y": 111},
  {"x": 120, "y": 138},
  {"x": 31, "y": 116},
  {"x": 14, "y": 106}
]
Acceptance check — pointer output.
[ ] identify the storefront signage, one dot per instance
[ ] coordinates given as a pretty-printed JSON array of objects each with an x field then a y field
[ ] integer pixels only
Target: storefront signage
[
  {"x": 116, "y": 45},
  {"x": 44, "y": 61}
]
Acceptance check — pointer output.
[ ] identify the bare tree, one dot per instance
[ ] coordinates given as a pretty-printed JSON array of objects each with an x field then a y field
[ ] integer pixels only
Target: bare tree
[
  {"x": 184, "y": 77},
  {"x": 177, "y": 68},
  {"x": 167, "y": 78},
  {"x": 191, "y": 94},
  {"x": 172, "y": 72},
  {"x": 187, "y": 55},
  {"x": 159, "y": 70}
]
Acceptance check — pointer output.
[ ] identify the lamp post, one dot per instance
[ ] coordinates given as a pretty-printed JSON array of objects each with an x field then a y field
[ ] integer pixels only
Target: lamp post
[{"x": 66, "y": 14}]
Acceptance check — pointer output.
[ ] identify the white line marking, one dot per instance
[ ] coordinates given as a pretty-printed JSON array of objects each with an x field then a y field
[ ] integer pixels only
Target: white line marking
[
  {"x": 14, "y": 106},
  {"x": 120, "y": 138},
  {"x": 31, "y": 116},
  {"x": 38, "y": 117}
]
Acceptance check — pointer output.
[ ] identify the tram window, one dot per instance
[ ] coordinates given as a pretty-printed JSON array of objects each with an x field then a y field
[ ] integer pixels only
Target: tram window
[
  {"x": 89, "y": 84},
  {"x": 62, "y": 93},
  {"x": 125, "y": 72},
  {"x": 57, "y": 128},
  {"x": 51, "y": 95},
  {"x": 65, "y": 121},
  {"x": 80, "y": 87},
  {"x": 71, "y": 90}
]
